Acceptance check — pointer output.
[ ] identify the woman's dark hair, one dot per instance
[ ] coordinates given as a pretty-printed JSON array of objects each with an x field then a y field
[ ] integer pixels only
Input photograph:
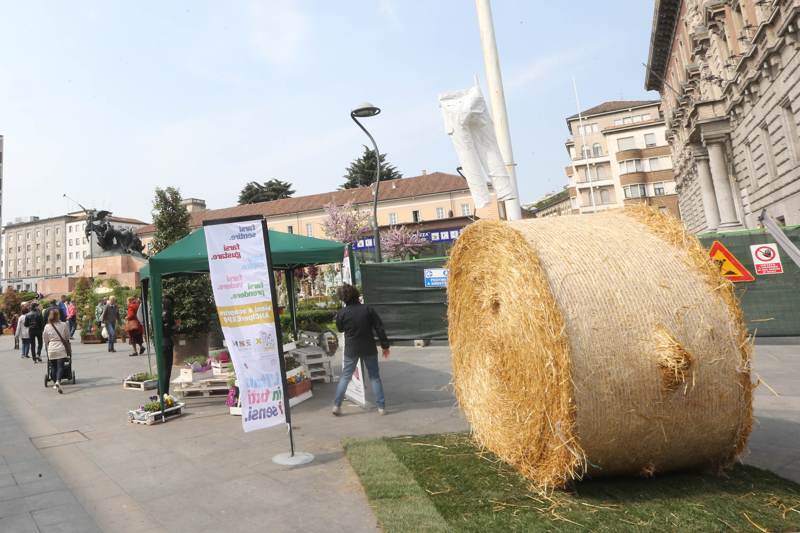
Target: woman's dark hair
[
  {"x": 348, "y": 294},
  {"x": 53, "y": 316}
]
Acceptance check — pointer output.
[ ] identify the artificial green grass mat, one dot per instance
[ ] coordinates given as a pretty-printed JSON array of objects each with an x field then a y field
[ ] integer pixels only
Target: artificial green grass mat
[{"x": 445, "y": 483}]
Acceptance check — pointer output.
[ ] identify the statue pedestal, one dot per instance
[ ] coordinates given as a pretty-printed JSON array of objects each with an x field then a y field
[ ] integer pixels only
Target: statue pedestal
[{"x": 123, "y": 268}]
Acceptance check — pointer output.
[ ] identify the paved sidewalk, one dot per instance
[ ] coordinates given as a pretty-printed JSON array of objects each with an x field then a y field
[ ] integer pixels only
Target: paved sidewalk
[{"x": 202, "y": 473}]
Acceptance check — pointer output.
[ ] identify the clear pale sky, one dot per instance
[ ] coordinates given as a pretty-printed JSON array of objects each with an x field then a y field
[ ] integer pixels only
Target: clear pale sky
[{"x": 106, "y": 100}]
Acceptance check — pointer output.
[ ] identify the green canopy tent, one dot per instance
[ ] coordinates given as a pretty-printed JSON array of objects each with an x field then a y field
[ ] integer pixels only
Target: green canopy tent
[{"x": 189, "y": 256}]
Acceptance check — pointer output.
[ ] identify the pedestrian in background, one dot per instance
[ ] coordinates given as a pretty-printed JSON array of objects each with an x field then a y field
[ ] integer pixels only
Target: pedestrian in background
[
  {"x": 110, "y": 318},
  {"x": 134, "y": 327},
  {"x": 22, "y": 333},
  {"x": 35, "y": 323},
  {"x": 62, "y": 308},
  {"x": 52, "y": 307},
  {"x": 72, "y": 317},
  {"x": 98, "y": 312},
  {"x": 358, "y": 322},
  {"x": 3, "y": 322},
  {"x": 58, "y": 347}
]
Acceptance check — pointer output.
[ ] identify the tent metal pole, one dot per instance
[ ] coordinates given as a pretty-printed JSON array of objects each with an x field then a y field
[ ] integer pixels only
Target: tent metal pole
[
  {"x": 290, "y": 289},
  {"x": 146, "y": 324},
  {"x": 158, "y": 334}
]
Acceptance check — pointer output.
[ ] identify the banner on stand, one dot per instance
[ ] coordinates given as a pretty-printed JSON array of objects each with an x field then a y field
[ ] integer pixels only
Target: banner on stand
[
  {"x": 240, "y": 277},
  {"x": 355, "y": 389}
]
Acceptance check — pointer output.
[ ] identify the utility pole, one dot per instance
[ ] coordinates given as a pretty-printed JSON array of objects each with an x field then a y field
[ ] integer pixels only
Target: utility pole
[{"x": 497, "y": 100}]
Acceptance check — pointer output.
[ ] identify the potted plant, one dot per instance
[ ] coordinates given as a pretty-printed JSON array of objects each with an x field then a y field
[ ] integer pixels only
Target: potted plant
[
  {"x": 140, "y": 381},
  {"x": 150, "y": 412}
]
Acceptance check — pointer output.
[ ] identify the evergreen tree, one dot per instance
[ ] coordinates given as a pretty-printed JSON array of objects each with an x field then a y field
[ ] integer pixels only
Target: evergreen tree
[
  {"x": 194, "y": 300},
  {"x": 170, "y": 218},
  {"x": 273, "y": 189},
  {"x": 361, "y": 172}
]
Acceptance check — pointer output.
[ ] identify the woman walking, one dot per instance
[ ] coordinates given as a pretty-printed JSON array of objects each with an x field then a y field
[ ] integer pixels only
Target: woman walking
[
  {"x": 22, "y": 332},
  {"x": 133, "y": 326},
  {"x": 55, "y": 334},
  {"x": 358, "y": 321}
]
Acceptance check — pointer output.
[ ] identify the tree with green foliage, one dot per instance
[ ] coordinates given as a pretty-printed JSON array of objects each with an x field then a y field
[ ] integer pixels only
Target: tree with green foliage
[
  {"x": 170, "y": 217},
  {"x": 273, "y": 189},
  {"x": 361, "y": 172},
  {"x": 194, "y": 300}
]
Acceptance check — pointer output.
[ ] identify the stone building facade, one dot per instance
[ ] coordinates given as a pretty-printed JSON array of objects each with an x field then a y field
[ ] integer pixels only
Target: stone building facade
[
  {"x": 729, "y": 76},
  {"x": 619, "y": 156}
]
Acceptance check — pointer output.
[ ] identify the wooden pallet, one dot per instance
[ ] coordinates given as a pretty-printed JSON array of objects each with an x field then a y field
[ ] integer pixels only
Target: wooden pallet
[
  {"x": 217, "y": 382},
  {"x": 322, "y": 378},
  {"x": 205, "y": 392}
]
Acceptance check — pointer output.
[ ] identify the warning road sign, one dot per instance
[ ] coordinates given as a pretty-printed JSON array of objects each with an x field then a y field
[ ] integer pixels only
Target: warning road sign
[
  {"x": 766, "y": 259},
  {"x": 729, "y": 266}
]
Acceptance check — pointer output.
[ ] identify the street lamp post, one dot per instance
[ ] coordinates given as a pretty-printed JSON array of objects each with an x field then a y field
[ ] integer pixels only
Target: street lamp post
[{"x": 363, "y": 111}]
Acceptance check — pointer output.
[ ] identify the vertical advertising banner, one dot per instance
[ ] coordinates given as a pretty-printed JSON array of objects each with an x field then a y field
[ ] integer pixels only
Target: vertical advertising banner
[{"x": 240, "y": 270}]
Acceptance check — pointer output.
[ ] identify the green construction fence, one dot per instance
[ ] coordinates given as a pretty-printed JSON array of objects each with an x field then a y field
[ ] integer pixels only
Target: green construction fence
[
  {"x": 771, "y": 303},
  {"x": 409, "y": 310}
]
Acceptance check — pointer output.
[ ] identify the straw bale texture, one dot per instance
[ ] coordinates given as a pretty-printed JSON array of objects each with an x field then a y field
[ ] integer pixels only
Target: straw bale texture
[{"x": 603, "y": 344}]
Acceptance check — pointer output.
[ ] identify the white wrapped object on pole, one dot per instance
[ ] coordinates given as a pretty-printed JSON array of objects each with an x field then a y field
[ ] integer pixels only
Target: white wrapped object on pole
[{"x": 467, "y": 122}]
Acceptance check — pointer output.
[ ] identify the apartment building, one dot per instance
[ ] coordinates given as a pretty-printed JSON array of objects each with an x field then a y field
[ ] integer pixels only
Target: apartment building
[
  {"x": 727, "y": 71},
  {"x": 439, "y": 205},
  {"x": 619, "y": 155},
  {"x": 33, "y": 250},
  {"x": 78, "y": 247},
  {"x": 552, "y": 205},
  {"x": 37, "y": 249}
]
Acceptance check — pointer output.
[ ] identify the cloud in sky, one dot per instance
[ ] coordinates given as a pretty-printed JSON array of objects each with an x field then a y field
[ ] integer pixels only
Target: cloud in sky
[
  {"x": 541, "y": 68},
  {"x": 280, "y": 30}
]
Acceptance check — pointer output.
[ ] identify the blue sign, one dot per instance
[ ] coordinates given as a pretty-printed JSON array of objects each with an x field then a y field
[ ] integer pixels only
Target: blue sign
[
  {"x": 435, "y": 277},
  {"x": 442, "y": 235}
]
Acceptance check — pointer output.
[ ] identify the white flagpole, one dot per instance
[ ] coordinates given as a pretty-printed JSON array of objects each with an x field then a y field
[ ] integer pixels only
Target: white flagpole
[
  {"x": 583, "y": 145},
  {"x": 497, "y": 99}
]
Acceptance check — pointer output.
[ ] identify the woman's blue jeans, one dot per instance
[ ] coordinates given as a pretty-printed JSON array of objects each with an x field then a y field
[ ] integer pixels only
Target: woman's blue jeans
[
  {"x": 111, "y": 329},
  {"x": 371, "y": 362}
]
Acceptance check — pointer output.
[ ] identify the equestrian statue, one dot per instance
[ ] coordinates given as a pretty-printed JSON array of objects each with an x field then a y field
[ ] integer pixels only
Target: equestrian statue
[{"x": 109, "y": 238}]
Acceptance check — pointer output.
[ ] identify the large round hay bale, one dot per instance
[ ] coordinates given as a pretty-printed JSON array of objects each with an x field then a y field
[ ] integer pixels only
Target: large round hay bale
[{"x": 603, "y": 344}]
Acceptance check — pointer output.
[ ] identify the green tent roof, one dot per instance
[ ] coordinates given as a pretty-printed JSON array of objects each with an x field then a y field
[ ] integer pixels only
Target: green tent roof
[{"x": 288, "y": 250}]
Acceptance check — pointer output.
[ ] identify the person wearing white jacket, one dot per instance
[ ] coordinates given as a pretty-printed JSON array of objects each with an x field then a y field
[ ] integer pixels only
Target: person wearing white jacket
[
  {"x": 55, "y": 336},
  {"x": 22, "y": 333}
]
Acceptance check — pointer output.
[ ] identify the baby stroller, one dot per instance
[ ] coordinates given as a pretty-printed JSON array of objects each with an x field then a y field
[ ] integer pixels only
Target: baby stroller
[{"x": 68, "y": 374}]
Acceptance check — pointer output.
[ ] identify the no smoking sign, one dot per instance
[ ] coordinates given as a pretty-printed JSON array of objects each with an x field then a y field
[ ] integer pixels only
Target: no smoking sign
[{"x": 766, "y": 259}]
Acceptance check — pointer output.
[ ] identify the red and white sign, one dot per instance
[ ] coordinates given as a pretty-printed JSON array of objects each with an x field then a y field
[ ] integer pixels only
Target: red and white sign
[{"x": 766, "y": 259}]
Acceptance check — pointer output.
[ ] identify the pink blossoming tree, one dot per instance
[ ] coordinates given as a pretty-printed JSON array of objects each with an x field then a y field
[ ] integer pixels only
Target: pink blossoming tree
[
  {"x": 401, "y": 243},
  {"x": 345, "y": 223}
]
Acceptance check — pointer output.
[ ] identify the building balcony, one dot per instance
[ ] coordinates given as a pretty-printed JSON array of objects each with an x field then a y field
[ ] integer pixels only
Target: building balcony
[
  {"x": 631, "y": 178},
  {"x": 643, "y": 153}
]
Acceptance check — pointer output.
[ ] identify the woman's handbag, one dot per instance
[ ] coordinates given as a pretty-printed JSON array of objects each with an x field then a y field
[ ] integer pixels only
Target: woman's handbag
[{"x": 132, "y": 325}]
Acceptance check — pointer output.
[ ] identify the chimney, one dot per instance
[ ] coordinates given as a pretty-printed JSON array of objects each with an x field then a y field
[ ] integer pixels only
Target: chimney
[{"x": 194, "y": 204}]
